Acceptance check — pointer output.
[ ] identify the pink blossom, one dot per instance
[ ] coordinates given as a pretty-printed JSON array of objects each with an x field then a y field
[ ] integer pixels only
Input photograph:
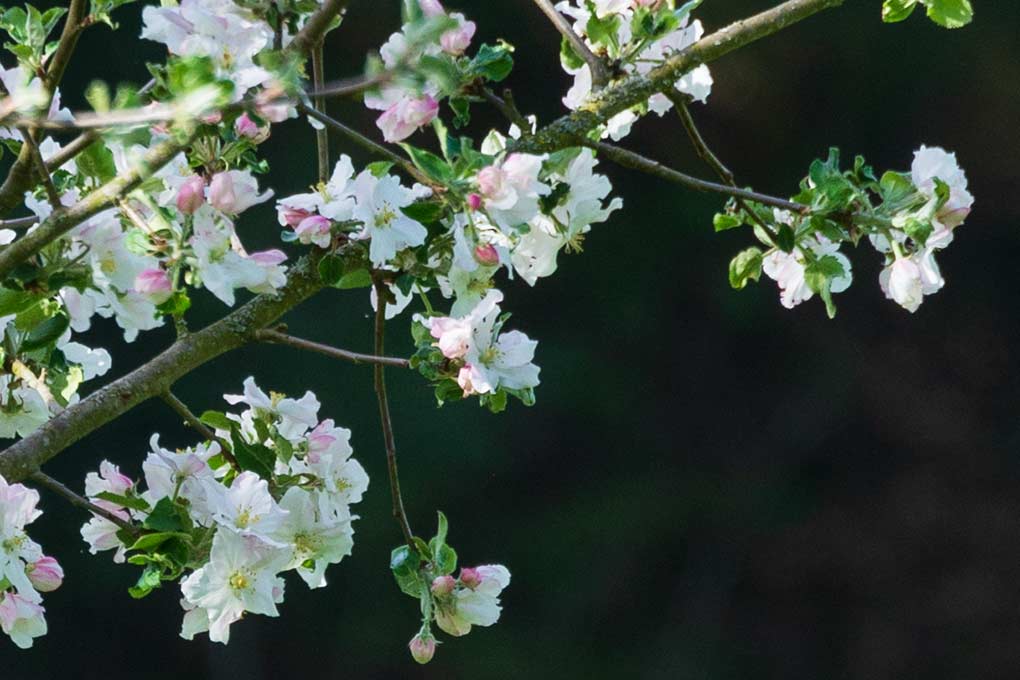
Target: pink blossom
[
  {"x": 487, "y": 255},
  {"x": 470, "y": 577},
  {"x": 314, "y": 229},
  {"x": 213, "y": 118},
  {"x": 319, "y": 442},
  {"x": 474, "y": 201},
  {"x": 456, "y": 40},
  {"x": 443, "y": 585},
  {"x": 403, "y": 118},
  {"x": 454, "y": 335},
  {"x": 45, "y": 574},
  {"x": 268, "y": 258},
  {"x": 191, "y": 195},
  {"x": 431, "y": 8},
  {"x": 234, "y": 191},
  {"x": 154, "y": 284},
  {"x": 293, "y": 216},
  {"x": 422, "y": 648},
  {"x": 465, "y": 378},
  {"x": 244, "y": 126},
  {"x": 21, "y": 619}
]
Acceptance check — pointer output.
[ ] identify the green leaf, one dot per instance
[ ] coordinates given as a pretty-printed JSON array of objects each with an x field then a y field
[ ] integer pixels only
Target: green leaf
[
  {"x": 429, "y": 163},
  {"x": 216, "y": 420},
  {"x": 604, "y": 32},
  {"x": 123, "y": 501},
  {"x": 96, "y": 161},
  {"x": 176, "y": 305},
  {"x": 331, "y": 269},
  {"x": 149, "y": 541},
  {"x": 164, "y": 517},
  {"x": 254, "y": 457},
  {"x": 950, "y": 13},
  {"x": 746, "y": 266},
  {"x": 724, "y": 221},
  {"x": 147, "y": 582},
  {"x": 405, "y": 565},
  {"x": 379, "y": 168},
  {"x": 897, "y": 10},
  {"x": 425, "y": 212},
  {"x": 442, "y": 528},
  {"x": 785, "y": 238},
  {"x": 16, "y": 301},
  {"x": 46, "y": 333},
  {"x": 445, "y": 560},
  {"x": 895, "y": 187},
  {"x": 493, "y": 62},
  {"x": 819, "y": 275},
  {"x": 568, "y": 57},
  {"x": 359, "y": 278}
]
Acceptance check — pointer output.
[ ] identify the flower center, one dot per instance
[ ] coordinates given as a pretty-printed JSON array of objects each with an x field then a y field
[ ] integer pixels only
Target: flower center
[
  {"x": 239, "y": 580},
  {"x": 489, "y": 356},
  {"x": 246, "y": 518},
  {"x": 385, "y": 216}
]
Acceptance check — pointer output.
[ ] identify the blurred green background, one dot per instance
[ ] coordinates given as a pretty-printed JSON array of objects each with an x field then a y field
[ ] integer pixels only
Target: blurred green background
[{"x": 710, "y": 486}]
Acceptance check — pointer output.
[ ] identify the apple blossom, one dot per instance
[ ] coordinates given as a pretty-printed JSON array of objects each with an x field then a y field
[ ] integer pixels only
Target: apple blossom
[
  {"x": 234, "y": 191},
  {"x": 379, "y": 203},
  {"x": 422, "y": 648},
  {"x": 21, "y": 619},
  {"x": 45, "y": 574},
  {"x": 191, "y": 194},
  {"x": 155, "y": 284},
  {"x": 314, "y": 229},
  {"x": 405, "y": 116},
  {"x": 474, "y": 602}
]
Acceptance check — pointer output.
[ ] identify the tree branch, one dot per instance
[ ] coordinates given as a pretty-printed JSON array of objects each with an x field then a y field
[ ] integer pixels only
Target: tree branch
[
  {"x": 317, "y": 25},
  {"x": 276, "y": 337},
  {"x": 154, "y": 378},
  {"x": 384, "y": 416},
  {"x": 44, "y": 480},
  {"x": 636, "y": 161},
  {"x": 599, "y": 72},
  {"x": 612, "y": 100},
  {"x": 321, "y": 136}
]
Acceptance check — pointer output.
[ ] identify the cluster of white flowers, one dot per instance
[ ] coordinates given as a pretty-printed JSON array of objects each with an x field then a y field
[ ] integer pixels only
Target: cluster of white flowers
[
  {"x": 925, "y": 208},
  {"x": 25, "y": 571},
  {"x": 294, "y": 517},
  {"x": 635, "y": 54},
  {"x": 485, "y": 358},
  {"x": 408, "y": 107}
]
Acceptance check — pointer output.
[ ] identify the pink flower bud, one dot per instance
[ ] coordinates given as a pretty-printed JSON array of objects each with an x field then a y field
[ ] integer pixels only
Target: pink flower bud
[
  {"x": 465, "y": 378},
  {"x": 431, "y": 8},
  {"x": 470, "y": 577},
  {"x": 443, "y": 585},
  {"x": 45, "y": 574},
  {"x": 490, "y": 181},
  {"x": 486, "y": 254},
  {"x": 402, "y": 119},
  {"x": 221, "y": 192},
  {"x": 456, "y": 40},
  {"x": 422, "y": 649},
  {"x": 292, "y": 216},
  {"x": 213, "y": 118},
  {"x": 244, "y": 126},
  {"x": 191, "y": 195},
  {"x": 474, "y": 201},
  {"x": 314, "y": 229},
  {"x": 154, "y": 284}
]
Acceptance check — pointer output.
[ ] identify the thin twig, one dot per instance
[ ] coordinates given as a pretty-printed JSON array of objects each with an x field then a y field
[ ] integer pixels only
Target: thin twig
[
  {"x": 72, "y": 149},
  {"x": 278, "y": 338},
  {"x": 19, "y": 222},
  {"x": 681, "y": 102},
  {"x": 507, "y": 108},
  {"x": 367, "y": 144},
  {"x": 44, "y": 480},
  {"x": 52, "y": 195},
  {"x": 192, "y": 421},
  {"x": 636, "y": 161},
  {"x": 322, "y": 135},
  {"x": 599, "y": 72},
  {"x": 384, "y": 415}
]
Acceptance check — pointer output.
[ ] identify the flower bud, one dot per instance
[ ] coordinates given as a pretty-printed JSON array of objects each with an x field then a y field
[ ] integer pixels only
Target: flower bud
[
  {"x": 490, "y": 181},
  {"x": 402, "y": 119},
  {"x": 443, "y": 585},
  {"x": 268, "y": 258},
  {"x": 221, "y": 192},
  {"x": 470, "y": 577},
  {"x": 422, "y": 648},
  {"x": 45, "y": 574},
  {"x": 314, "y": 229},
  {"x": 154, "y": 284},
  {"x": 213, "y": 118},
  {"x": 456, "y": 40},
  {"x": 474, "y": 201},
  {"x": 244, "y": 126},
  {"x": 487, "y": 255},
  {"x": 191, "y": 195},
  {"x": 431, "y": 8}
]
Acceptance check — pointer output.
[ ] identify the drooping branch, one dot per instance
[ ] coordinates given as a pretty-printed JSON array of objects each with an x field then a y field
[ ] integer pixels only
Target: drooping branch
[
  {"x": 384, "y": 416},
  {"x": 599, "y": 71},
  {"x": 154, "y": 378},
  {"x": 612, "y": 100},
  {"x": 47, "y": 482},
  {"x": 276, "y": 337},
  {"x": 636, "y": 161}
]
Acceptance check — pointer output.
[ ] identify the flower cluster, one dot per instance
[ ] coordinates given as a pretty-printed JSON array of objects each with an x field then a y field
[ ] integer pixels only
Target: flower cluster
[
  {"x": 637, "y": 36},
  {"x": 424, "y": 571},
  {"x": 271, "y": 494},
  {"x": 907, "y": 217},
  {"x": 25, "y": 571}
]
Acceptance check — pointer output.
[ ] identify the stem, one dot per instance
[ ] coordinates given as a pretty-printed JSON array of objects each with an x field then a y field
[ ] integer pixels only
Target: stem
[
  {"x": 52, "y": 195},
  {"x": 192, "y": 421},
  {"x": 636, "y": 161},
  {"x": 44, "y": 480},
  {"x": 384, "y": 415},
  {"x": 19, "y": 222},
  {"x": 278, "y": 338},
  {"x": 321, "y": 136},
  {"x": 681, "y": 102},
  {"x": 599, "y": 72},
  {"x": 509, "y": 111}
]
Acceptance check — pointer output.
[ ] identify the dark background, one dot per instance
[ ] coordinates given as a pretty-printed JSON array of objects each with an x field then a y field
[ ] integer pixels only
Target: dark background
[{"x": 710, "y": 486}]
